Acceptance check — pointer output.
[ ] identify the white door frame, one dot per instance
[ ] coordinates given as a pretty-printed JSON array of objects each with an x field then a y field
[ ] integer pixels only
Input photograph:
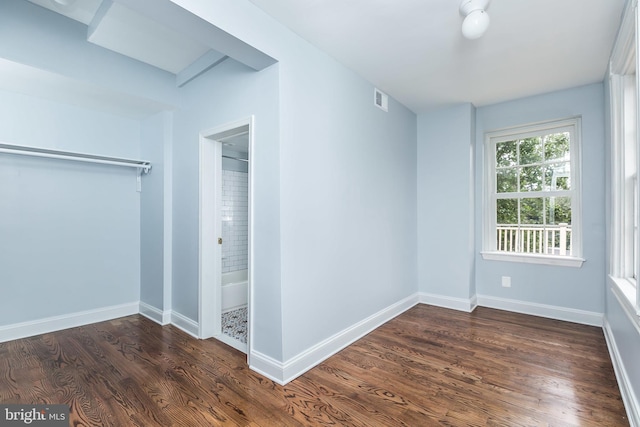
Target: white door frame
[{"x": 210, "y": 228}]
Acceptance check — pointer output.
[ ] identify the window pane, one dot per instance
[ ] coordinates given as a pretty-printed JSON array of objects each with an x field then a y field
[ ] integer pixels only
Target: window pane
[
  {"x": 559, "y": 225},
  {"x": 531, "y": 151},
  {"x": 532, "y": 211},
  {"x": 531, "y": 178},
  {"x": 507, "y": 153},
  {"x": 558, "y": 177},
  {"x": 558, "y": 210},
  {"x": 507, "y": 211},
  {"x": 556, "y": 146},
  {"x": 507, "y": 180}
]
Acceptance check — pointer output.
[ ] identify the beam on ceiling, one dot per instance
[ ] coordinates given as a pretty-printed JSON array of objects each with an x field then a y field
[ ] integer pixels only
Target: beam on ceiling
[
  {"x": 173, "y": 16},
  {"x": 199, "y": 66},
  {"x": 101, "y": 13}
]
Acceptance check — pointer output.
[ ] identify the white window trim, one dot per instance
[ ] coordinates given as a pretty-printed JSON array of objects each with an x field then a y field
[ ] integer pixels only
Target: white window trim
[
  {"x": 624, "y": 60},
  {"x": 489, "y": 251},
  {"x": 562, "y": 261},
  {"x": 625, "y": 292}
]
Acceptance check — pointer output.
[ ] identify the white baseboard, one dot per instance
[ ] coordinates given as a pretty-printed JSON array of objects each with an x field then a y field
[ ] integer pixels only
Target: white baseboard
[
  {"x": 167, "y": 317},
  {"x": 282, "y": 373},
  {"x": 550, "y": 311},
  {"x": 161, "y": 317},
  {"x": 232, "y": 342},
  {"x": 181, "y": 321},
  {"x": 267, "y": 367},
  {"x": 81, "y": 318},
  {"x": 71, "y": 320},
  {"x": 460, "y": 304},
  {"x": 629, "y": 398}
]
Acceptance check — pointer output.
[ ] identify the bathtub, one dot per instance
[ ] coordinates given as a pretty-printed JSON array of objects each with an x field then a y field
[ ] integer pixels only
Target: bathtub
[{"x": 234, "y": 290}]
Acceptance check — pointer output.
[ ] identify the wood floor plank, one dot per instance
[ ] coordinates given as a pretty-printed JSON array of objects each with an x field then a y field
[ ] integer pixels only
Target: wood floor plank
[{"x": 427, "y": 367}]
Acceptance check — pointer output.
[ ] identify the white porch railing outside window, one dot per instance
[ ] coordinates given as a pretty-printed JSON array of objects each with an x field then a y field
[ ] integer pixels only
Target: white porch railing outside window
[{"x": 535, "y": 239}]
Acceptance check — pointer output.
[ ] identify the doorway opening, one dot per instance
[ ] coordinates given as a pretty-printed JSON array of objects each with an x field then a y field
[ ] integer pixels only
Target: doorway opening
[{"x": 225, "y": 233}]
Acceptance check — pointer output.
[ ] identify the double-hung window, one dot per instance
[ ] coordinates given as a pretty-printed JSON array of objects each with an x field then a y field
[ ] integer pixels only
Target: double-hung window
[
  {"x": 532, "y": 194},
  {"x": 625, "y": 246}
]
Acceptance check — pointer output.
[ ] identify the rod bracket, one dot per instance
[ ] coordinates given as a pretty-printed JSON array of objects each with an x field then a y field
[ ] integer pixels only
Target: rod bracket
[{"x": 139, "y": 180}]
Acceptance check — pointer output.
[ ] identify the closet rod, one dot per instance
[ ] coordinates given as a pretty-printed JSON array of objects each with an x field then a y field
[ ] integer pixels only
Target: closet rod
[{"x": 142, "y": 165}]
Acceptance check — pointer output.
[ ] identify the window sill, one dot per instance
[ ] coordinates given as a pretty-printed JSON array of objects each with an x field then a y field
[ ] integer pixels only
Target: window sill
[
  {"x": 625, "y": 293},
  {"x": 562, "y": 261}
]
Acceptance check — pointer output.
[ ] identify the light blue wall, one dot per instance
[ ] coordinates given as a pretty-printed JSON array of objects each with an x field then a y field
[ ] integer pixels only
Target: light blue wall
[
  {"x": 87, "y": 237},
  {"x": 348, "y": 218},
  {"x": 347, "y": 184},
  {"x": 446, "y": 202},
  {"x": 69, "y": 231},
  {"x": 227, "y": 93},
  {"x": 156, "y": 135},
  {"x": 574, "y": 288}
]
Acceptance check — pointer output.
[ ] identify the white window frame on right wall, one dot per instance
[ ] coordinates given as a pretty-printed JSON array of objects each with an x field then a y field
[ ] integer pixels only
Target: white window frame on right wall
[{"x": 625, "y": 158}]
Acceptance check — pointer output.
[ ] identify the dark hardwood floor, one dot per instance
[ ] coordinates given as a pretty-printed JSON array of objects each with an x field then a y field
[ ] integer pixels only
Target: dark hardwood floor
[{"x": 428, "y": 367}]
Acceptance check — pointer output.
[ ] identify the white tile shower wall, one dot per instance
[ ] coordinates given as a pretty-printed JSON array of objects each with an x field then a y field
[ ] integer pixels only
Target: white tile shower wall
[{"x": 235, "y": 220}]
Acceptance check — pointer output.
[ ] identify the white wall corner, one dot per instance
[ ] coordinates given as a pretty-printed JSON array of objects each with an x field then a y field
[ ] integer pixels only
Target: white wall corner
[
  {"x": 167, "y": 251},
  {"x": 186, "y": 324},
  {"x": 473, "y": 303},
  {"x": 66, "y": 321},
  {"x": 629, "y": 398},
  {"x": 584, "y": 317},
  {"x": 460, "y": 304},
  {"x": 282, "y": 373},
  {"x": 160, "y": 317}
]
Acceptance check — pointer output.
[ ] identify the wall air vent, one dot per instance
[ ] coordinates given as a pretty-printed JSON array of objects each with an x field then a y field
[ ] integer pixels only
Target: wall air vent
[{"x": 381, "y": 99}]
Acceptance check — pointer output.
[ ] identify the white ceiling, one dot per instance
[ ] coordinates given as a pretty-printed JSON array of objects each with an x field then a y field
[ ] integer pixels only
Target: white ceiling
[
  {"x": 132, "y": 34},
  {"x": 411, "y": 49},
  {"x": 414, "y": 49},
  {"x": 82, "y": 11}
]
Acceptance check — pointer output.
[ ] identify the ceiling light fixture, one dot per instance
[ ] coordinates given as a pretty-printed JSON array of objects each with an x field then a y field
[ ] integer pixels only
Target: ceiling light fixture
[{"x": 476, "y": 19}]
